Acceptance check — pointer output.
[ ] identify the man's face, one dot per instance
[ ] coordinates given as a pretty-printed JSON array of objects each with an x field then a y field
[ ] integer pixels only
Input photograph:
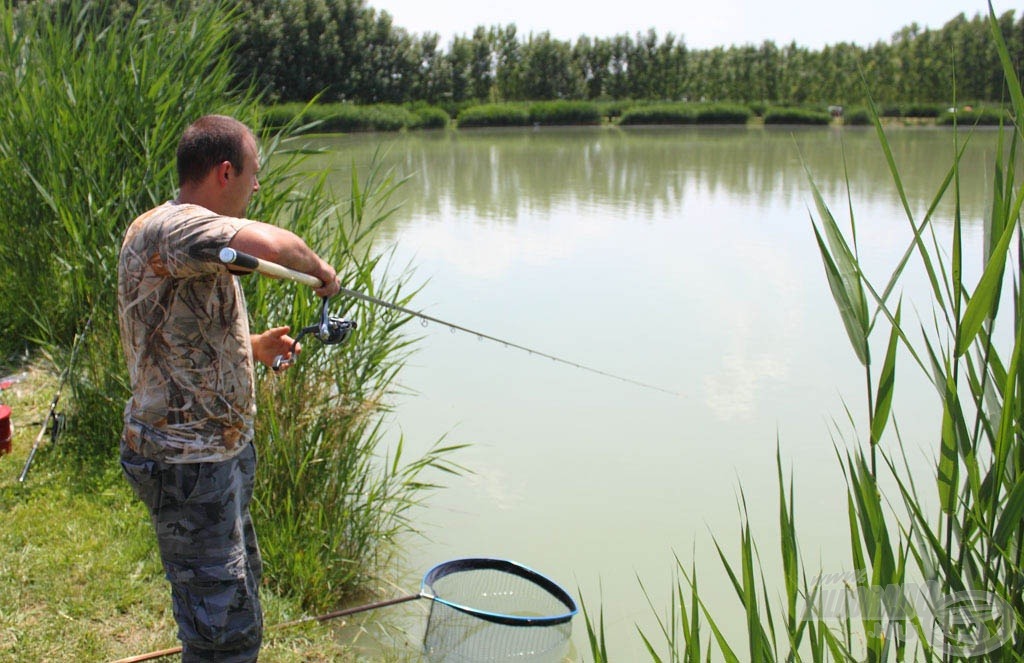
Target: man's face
[{"x": 242, "y": 184}]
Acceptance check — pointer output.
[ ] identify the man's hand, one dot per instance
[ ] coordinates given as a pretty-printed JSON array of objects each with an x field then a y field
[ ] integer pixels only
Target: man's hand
[
  {"x": 329, "y": 278},
  {"x": 271, "y": 344}
]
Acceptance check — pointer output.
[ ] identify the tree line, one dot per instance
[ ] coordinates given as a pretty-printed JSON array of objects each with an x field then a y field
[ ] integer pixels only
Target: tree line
[{"x": 345, "y": 50}]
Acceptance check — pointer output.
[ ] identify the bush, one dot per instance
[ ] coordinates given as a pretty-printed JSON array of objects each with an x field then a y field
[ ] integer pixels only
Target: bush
[
  {"x": 889, "y": 110},
  {"x": 785, "y": 115},
  {"x": 723, "y": 114},
  {"x": 564, "y": 112},
  {"x": 344, "y": 117},
  {"x": 856, "y": 117},
  {"x": 430, "y": 117},
  {"x": 922, "y": 110},
  {"x": 494, "y": 115},
  {"x": 982, "y": 117},
  {"x": 659, "y": 114},
  {"x": 613, "y": 110},
  {"x": 279, "y": 116},
  {"x": 349, "y": 118}
]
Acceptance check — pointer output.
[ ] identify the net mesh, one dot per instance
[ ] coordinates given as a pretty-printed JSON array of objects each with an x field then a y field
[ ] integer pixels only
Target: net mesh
[
  {"x": 454, "y": 636},
  {"x": 493, "y": 610}
]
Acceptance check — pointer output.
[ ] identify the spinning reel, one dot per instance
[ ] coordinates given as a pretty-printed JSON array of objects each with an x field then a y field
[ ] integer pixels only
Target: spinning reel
[{"x": 329, "y": 330}]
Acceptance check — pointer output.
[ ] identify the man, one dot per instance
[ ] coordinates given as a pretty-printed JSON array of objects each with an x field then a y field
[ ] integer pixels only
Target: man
[{"x": 187, "y": 446}]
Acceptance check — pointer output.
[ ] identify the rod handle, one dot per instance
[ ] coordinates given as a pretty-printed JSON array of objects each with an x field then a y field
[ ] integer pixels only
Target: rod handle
[{"x": 230, "y": 256}]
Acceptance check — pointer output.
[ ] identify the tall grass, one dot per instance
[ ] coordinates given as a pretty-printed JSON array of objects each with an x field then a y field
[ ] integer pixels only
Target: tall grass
[
  {"x": 659, "y": 114},
  {"x": 564, "y": 112},
  {"x": 329, "y": 481},
  {"x": 992, "y": 117},
  {"x": 788, "y": 115},
  {"x": 91, "y": 104},
  {"x": 494, "y": 115},
  {"x": 929, "y": 583},
  {"x": 346, "y": 117},
  {"x": 685, "y": 113},
  {"x": 93, "y": 98}
]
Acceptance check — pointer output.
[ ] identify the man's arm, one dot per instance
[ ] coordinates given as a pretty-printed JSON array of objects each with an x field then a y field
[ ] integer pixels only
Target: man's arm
[{"x": 284, "y": 247}]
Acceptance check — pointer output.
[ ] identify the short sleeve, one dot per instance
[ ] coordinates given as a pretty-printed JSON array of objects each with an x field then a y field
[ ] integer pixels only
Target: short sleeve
[{"x": 187, "y": 240}]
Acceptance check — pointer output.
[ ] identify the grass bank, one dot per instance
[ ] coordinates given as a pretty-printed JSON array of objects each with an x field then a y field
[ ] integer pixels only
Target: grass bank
[{"x": 80, "y": 576}]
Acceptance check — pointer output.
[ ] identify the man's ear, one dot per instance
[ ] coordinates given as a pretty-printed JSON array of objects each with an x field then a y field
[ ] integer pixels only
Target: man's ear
[{"x": 223, "y": 172}]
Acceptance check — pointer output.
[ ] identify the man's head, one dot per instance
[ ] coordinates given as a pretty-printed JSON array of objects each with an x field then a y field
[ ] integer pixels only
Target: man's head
[{"x": 217, "y": 163}]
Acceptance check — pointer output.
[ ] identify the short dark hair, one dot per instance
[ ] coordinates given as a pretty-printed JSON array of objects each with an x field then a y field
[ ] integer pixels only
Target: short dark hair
[{"x": 210, "y": 140}]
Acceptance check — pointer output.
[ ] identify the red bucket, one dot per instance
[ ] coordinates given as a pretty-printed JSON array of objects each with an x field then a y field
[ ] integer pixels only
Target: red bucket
[{"x": 5, "y": 429}]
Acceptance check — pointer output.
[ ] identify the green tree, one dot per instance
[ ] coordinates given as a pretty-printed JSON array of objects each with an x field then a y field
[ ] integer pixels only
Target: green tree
[
  {"x": 460, "y": 64},
  {"x": 549, "y": 70},
  {"x": 618, "y": 67},
  {"x": 508, "y": 62},
  {"x": 591, "y": 58},
  {"x": 433, "y": 76},
  {"x": 481, "y": 70}
]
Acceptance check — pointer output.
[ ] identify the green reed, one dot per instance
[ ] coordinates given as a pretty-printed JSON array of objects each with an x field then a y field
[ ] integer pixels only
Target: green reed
[
  {"x": 347, "y": 117},
  {"x": 685, "y": 113},
  {"x": 332, "y": 500},
  {"x": 563, "y": 112},
  {"x": 966, "y": 551},
  {"x": 678, "y": 113},
  {"x": 93, "y": 98},
  {"x": 494, "y": 115},
  {"x": 789, "y": 115}
]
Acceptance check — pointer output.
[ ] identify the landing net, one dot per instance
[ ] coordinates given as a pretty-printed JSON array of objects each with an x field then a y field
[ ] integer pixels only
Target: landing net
[{"x": 495, "y": 610}]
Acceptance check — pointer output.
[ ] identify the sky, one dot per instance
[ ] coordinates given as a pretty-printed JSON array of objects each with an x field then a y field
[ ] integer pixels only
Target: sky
[{"x": 701, "y": 23}]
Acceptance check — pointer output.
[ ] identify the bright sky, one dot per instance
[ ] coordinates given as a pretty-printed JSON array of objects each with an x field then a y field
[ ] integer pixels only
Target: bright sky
[{"x": 701, "y": 23}]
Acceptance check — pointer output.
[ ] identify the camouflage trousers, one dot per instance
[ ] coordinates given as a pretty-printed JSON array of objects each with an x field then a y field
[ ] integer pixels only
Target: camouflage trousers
[{"x": 200, "y": 512}]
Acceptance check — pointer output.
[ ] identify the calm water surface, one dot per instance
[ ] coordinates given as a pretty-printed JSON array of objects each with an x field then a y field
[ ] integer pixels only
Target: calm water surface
[{"x": 683, "y": 258}]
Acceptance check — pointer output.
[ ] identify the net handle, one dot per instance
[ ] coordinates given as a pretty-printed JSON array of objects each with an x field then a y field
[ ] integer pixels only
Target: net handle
[
  {"x": 296, "y": 622},
  {"x": 427, "y": 592},
  {"x": 507, "y": 566}
]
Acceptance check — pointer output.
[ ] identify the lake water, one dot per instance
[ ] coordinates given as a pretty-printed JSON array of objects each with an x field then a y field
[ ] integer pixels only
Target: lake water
[{"x": 679, "y": 257}]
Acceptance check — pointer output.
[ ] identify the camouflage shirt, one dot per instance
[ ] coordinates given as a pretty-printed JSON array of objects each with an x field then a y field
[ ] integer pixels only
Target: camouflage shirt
[{"x": 185, "y": 332}]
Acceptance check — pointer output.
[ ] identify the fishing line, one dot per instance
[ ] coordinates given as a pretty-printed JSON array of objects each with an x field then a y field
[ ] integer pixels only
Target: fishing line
[{"x": 237, "y": 258}]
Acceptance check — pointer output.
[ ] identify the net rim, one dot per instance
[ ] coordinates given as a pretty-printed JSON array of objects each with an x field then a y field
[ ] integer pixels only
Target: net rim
[{"x": 450, "y": 567}]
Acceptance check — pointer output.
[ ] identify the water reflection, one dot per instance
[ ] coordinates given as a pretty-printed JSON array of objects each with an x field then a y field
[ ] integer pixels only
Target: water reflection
[{"x": 501, "y": 175}]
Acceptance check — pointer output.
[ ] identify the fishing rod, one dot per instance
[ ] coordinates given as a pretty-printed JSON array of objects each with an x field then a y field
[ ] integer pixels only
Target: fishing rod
[
  {"x": 323, "y": 330},
  {"x": 54, "y": 421}
]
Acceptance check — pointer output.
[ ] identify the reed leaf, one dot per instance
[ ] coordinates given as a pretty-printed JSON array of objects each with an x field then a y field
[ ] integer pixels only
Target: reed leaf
[
  {"x": 1010, "y": 519},
  {"x": 886, "y": 383},
  {"x": 758, "y": 649},
  {"x": 849, "y": 309},
  {"x": 1009, "y": 69},
  {"x": 691, "y": 625},
  {"x": 1008, "y": 432},
  {"x": 595, "y": 633},
  {"x": 985, "y": 297},
  {"x": 790, "y": 555},
  {"x": 948, "y": 477}
]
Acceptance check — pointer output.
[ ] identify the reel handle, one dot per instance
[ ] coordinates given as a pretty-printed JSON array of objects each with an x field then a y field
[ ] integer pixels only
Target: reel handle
[{"x": 329, "y": 331}]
